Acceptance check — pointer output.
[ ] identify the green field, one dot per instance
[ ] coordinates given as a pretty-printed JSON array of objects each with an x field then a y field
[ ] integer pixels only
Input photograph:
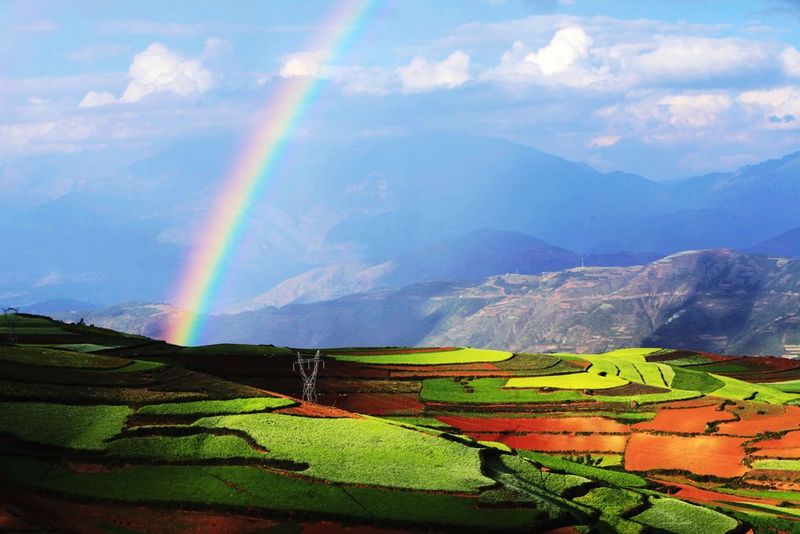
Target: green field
[
  {"x": 217, "y": 407},
  {"x": 76, "y": 427},
  {"x": 203, "y": 434},
  {"x": 350, "y": 450},
  {"x": 681, "y": 517}
]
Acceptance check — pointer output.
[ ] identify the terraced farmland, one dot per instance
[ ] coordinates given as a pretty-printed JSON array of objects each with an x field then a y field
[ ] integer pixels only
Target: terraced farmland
[{"x": 116, "y": 433}]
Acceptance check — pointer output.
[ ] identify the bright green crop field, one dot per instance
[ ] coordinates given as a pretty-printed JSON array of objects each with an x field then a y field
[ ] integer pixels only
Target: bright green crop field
[
  {"x": 362, "y": 451},
  {"x": 217, "y": 407}
]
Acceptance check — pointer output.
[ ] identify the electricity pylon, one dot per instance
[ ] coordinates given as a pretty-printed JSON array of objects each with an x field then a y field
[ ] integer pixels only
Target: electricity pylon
[{"x": 309, "y": 367}]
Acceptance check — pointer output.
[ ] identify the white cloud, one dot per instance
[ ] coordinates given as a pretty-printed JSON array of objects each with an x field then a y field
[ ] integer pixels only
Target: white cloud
[
  {"x": 569, "y": 45},
  {"x": 695, "y": 110},
  {"x": 791, "y": 61},
  {"x": 567, "y": 60},
  {"x": 303, "y": 64},
  {"x": 97, "y": 98},
  {"x": 160, "y": 70},
  {"x": 603, "y": 141},
  {"x": 685, "y": 58},
  {"x": 54, "y": 278},
  {"x": 423, "y": 75},
  {"x": 778, "y": 108},
  {"x": 157, "y": 69}
]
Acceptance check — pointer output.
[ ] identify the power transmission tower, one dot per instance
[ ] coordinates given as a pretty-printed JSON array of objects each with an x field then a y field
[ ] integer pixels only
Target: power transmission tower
[
  {"x": 10, "y": 316},
  {"x": 309, "y": 367}
]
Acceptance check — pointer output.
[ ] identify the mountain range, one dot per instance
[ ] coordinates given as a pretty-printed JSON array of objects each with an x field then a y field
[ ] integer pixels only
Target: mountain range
[
  {"x": 371, "y": 204},
  {"x": 716, "y": 300}
]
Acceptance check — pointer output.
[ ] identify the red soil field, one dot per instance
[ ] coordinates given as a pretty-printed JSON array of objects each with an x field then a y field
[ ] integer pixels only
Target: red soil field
[
  {"x": 565, "y": 442},
  {"x": 752, "y": 423},
  {"x": 381, "y": 403},
  {"x": 789, "y": 452},
  {"x": 792, "y": 439},
  {"x": 688, "y": 420},
  {"x": 702, "y": 496},
  {"x": 703, "y": 455},
  {"x": 315, "y": 410},
  {"x": 537, "y": 424}
]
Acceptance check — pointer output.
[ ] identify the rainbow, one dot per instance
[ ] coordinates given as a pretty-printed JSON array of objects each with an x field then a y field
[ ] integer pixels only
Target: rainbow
[{"x": 202, "y": 273}]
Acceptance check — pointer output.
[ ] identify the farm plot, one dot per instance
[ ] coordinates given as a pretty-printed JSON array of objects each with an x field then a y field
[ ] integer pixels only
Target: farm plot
[
  {"x": 632, "y": 367},
  {"x": 757, "y": 419},
  {"x": 217, "y": 407},
  {"x": 740, "y": 390},
  {"x": 466, "y": 355},
  {"x": 77, "y": 427},
  {"x": 686, "y": 420},
  {"x": 249, "y": 488},
  {"x": 194, "y": 448},
  {"x": 59, "y": 358},
  {"x": 488, "y": 391},
  {"x": 720, "y": 456},
  {"x": 566, "y": 443},
  {"x": 383, "y": 454},
  {"x": 537, "y": 424},
  {"x": 568, "y": 381},
  {"x": 672, "y": 515}
]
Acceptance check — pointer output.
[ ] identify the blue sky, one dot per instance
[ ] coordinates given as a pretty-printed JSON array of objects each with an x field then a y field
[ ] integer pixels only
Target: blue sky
[
  {"x": 662, "y": 88},
  {"x": 139, "y": 106}
]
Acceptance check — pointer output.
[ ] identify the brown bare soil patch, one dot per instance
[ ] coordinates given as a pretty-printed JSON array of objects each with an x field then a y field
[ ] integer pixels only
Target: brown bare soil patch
[
  {"x": 327, "y": 527},
  {"x": 632, "y": 388},
  {"x": 535, "y": 424},
  {"x": 381, "y": 403},
  {"x": 703, "y": 455},
  {"x": 151, "y": 520},
  {"x": 564, "y": 442},
  {"x": 690, "y": 403},
  {"x": 335, "y": 385},
  {"x": 11, "y": 522},
  {"x": 315, "y": 410},
  {"x": 688, "y": 420}
]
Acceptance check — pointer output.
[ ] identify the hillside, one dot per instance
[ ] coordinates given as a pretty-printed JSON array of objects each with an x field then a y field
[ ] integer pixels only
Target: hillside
[
  {"x": 471, "y": 256},
  {"x": 104, "y": 432},
  {"x": 716, "y": 300}
]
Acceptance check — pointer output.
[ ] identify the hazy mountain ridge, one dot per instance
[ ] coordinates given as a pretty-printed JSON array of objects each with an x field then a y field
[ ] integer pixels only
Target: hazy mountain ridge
[
  {"x": 370, "y": 202},
  {"x": 471, "y": 256},
  {"x": 716, "y": 300}
]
